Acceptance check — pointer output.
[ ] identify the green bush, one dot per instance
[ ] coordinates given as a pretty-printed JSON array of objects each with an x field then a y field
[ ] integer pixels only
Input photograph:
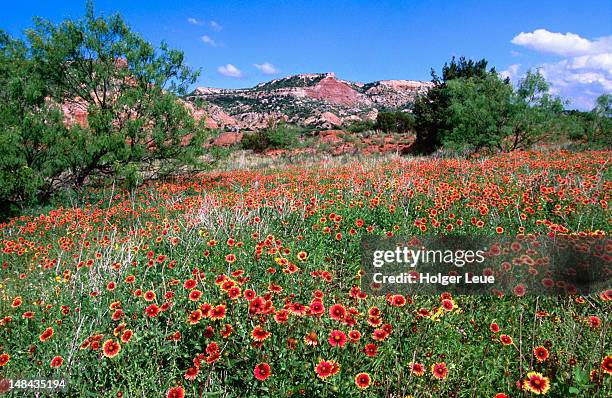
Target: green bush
[
  {"x": 396, "y": 122},
  {"x": 279, "y": 137}
]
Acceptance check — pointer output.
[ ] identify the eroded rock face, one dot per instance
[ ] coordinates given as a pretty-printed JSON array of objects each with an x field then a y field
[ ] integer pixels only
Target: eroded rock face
[
  {"x": 336, "y": 92},
  {"x": 319, "y": 100}
]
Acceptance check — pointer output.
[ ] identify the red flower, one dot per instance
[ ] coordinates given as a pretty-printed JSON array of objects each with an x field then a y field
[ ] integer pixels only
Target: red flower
[
  {"x": 259, "y": 334},
  {"x": 541, "y": 353},
  {"x": 152, "y": 310},
  {"x": 363, "y": 380},
  {"x": 448, "y": 304},
  {"x": 4, "y": 358},
  {"x": 47, "y": 334},
  {"x": 398, "y": 300},
  {"x": 317, "y": 307},
  {"x": 505, "y": 339},
  {"x": 218, "y": 312},
  {"x": 325, "y": 369},
  {"x": 379, "y": 334},
  {"x": 417, "y": 369},
  {"x": 176, "y": 392},
  {"x": 370, "y": 350},
  {"x": 594, "y": 321},
  {"x": 501, "y": 395},
  {"x": 249, "y": 294},
  {"x": 56, "y": 362},
  {"x": 111, "y": 348},
  {"x": 261, "y": 371},
  {"x": 337, "y": 312},
  {"x": 192, "y": 373},
  {"x": 536, "y": 383},
  {"x": 127, "y": 336},
  {"x": 149, "y": 296},
  {"x": 337, "y": 338},
  {"x": 195, "y": 295},
  {"x": 439, "y": 370},
  {"x": 494, "y": 327},
  {"x": 606, "y": 364}
]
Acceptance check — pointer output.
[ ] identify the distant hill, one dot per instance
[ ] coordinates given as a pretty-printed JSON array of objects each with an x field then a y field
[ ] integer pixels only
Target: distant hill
[{"x": 319, "y": 100}]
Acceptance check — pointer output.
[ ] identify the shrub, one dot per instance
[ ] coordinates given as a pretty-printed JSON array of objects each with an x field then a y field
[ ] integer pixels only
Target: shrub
[{"x": 279, "y": 137}]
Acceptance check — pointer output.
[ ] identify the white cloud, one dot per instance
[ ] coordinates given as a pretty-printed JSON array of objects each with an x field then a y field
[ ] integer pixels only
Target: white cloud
[
  {"x": 580, "y": 79},
  {"x": 194, "y": 21},
  {"x": 215, "y": 26},
  {"x": 267, "y": 68},
  {"x": 566, "y": 44},
  {"x": 208, "y": 40},
  {"x": 511, "y": 71},
  {"x": 585, "y": 71},
  {"x": 229, "y": 70}
]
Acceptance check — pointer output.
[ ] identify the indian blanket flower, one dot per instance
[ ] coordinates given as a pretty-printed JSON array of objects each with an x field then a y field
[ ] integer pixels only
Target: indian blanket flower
[
  {"x": 56, "y": 362},
  {"x": 152, "y": 310},
  {"x": 218, "y": 312},
  {"x": 325, "y": 369},
  {"x": 536, "y": 383},
  {"x": 370, "y": 349},
  {"x": 540, "y": 353},
  {"x": 176, "y": 392},
  {"x": 337, "y": 312},
  {"x": 606, "y": 364},
  {"x": 195, "y": 295},
  {"x": 259, "y": 334},
  {"x": 311, "y": 339},
  {"x": 127, "y": 336},
  {"x": 505, "y": 339},
  {"x": 439, "y": 370},
  {"x": 191, "y": 373},
  {"x": 4, "y": 359},
  {"x": 363, "y": 380},
  {"x": 111, "y": 348},
  {"x": 337, "y": 338},
  {"x": 46, "y": 334},
  {"x": 416, "y": 368},
  {"x": 261, "y": 371}
]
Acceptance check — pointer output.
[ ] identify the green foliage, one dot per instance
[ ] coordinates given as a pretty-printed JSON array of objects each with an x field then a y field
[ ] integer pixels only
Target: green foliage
[
  {"x": 292, "y": 81},
  {"x": 592, "y": 129},
  {"x": 282, "y": 136},
  {"x": 432, "y": 109},
  {"x": 478, "y": 112},
  {"x": 396, "y": 122},
  {"x": 129, "y": 88},
  {"x": 31, "y": 160},
  {"x": 474, "y": 108},
  {"x": 360, "y": 126}
]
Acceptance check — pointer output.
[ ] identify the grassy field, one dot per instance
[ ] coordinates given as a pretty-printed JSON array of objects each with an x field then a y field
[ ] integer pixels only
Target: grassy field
[{"x": 246, "y": 283}]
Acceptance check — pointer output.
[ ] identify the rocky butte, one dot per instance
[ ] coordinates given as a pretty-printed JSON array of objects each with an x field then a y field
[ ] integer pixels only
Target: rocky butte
[{"x": 318, "y": 100}]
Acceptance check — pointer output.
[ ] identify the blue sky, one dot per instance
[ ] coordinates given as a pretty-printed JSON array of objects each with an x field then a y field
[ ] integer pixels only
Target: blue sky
[{"x": 242, "y": 43}]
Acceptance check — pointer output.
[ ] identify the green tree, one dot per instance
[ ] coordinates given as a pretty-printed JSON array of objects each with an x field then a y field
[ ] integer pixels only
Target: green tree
[
  {"x": 130, "y": 91},
  {"x": 136, "y": 121},
  {"x": 534, "y": 112},
  {"x": 479, "y": 112},
  {"x": 432, "y": 110},
  {"x": 31, "y": 161},
  {"x": 601, "y": 131},
  {"x": 398, "y": 122}
]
